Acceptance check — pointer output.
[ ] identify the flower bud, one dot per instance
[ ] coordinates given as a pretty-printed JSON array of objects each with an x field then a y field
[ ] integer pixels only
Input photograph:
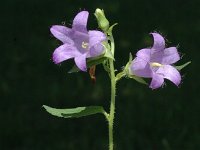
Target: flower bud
[{"x": 101, "y": 19}]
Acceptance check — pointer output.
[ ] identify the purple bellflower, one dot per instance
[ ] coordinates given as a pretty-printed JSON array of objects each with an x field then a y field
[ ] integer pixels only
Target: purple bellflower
[
  {"x": 78, "y": 42},
  {"x": 156, "y": 63}
]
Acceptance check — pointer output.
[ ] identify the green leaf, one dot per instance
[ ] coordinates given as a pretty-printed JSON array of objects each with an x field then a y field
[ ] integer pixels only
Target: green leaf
[
  {"x": 75, "y": 112},
  {"x": 182, "y": 66},
  {"x": 138, "y": 79},
  {"x": 90, "y": 63}
]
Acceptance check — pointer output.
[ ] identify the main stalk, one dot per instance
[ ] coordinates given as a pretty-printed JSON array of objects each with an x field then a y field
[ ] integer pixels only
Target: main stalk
[{"x": 113, "y": 93}]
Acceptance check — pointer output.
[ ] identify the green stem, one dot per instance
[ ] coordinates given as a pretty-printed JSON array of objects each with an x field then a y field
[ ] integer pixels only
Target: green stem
[{"x": 112, "y": 103}]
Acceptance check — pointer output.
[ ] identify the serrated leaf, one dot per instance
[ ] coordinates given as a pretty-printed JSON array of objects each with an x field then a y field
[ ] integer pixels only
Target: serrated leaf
[
  {"x": 138, "y": 79},
  {"x": 74, "y": 112},
  {"x": 182, "y": 66},
  {"x": 90, "y": 63}
]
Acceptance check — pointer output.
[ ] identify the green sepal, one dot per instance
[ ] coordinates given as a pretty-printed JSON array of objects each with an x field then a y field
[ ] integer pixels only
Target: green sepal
[
  {"x": 108, "y": 53},
  {"x": 127, "y": 72},
  {"x": 126, "y": 68},
  {"x": 130, "y": 58},
  {"x": 109, "y": 32},
  {"x": 105, "y": 66},
  {"x": 182, "y": 66},
  {"x": 138, "y": 79},
  {"x": 75, "y": 112},
  {"x": 120, "y": 75}
]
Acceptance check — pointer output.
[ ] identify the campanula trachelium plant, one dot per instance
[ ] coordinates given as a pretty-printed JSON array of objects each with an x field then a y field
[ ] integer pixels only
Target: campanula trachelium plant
[{"x": 89, "y": 48}]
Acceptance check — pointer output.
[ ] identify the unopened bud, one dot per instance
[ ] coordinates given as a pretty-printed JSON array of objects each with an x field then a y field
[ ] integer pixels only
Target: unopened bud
[{"x": 101, "y": 19}]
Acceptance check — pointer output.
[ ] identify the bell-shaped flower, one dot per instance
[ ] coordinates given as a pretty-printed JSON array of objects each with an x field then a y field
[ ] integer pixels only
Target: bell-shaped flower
[
  {"x": 156, "y": 63},
  {"x": 78, "y": 42}
]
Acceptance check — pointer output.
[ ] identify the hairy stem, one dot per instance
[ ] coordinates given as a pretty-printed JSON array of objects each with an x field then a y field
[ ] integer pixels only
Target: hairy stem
[{"x": 112, "y": 103}]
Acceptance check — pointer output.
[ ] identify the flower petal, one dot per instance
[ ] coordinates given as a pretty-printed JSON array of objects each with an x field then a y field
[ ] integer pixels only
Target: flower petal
[
  {"x": 64, "y": 52},
  {"x": 144, "y": 54},
  {"x": 96, "y": 37},
  {"x": 80, "y": 21},
  {"x": 62, "y": 33},
  {"x": 141, "y": 68},
  {"x": 95, "y": 42},
  {"x": 159, "y": 42},
  {"x": 96, "y": 50},
  {"x": 81, "y": 62},
  {"x": 157, "y": 81},
  {"x": 170, "y": 73},
  {"x": 168, "y": 56}
]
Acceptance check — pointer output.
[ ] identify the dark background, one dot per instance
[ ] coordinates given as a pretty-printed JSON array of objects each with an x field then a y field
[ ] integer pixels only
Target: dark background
[{"x": 163, "y": 119}]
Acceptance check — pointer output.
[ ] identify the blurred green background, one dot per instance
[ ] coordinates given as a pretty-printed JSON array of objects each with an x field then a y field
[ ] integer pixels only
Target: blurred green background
[{"x": 163, "y": 119}]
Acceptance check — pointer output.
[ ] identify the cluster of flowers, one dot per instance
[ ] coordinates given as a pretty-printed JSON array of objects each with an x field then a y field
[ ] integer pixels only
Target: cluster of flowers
[{"x": 80, "y": 44}]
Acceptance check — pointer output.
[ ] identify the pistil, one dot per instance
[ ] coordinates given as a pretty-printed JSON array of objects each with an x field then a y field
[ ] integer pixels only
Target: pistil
[{"x": 84, "y": 45}]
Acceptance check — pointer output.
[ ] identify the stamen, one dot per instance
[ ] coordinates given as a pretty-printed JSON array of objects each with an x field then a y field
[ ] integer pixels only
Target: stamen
[
  {"x": 84, "y": 45},
  {"x": 155, "y": 64}
]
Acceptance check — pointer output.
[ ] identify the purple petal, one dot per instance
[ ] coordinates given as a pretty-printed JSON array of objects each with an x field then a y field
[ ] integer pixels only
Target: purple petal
[
  {"x": 96, "y": 50},
  {"x": 166, "y": 57},
  {"x": 141, "y": 68},
  {"x": 80, "y": 21},
  {"x": 96, "y": 37},
  {"x": 64, "y": 52},
  {"x": 170, "y": 73},
  {"x": 62, "y": 33},
  {"x": 159, "y": 42},
  {"x": 95, "y": 41},
  {"x": 157, "y": 81},
  {"x": 81, "y": 62},
  {"x": 144, "y": 54},
  {"x": 170, "y": 55}
]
